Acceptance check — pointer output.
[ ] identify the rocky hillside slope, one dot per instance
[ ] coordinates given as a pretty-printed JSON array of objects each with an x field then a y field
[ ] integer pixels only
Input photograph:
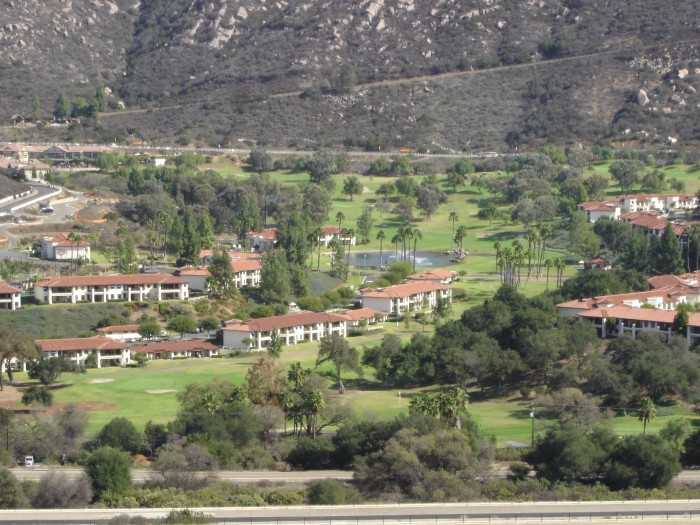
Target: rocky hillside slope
[{"x": 487, "y": 74}]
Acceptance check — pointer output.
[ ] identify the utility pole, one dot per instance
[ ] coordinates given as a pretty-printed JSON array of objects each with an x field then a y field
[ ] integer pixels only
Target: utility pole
[
  {"x": 532, "y": 417},
  {"x": 7, "y": 428}
]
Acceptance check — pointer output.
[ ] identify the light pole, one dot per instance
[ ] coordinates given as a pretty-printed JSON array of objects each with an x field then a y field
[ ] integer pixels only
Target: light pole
[{"x": 532, "y": 417}]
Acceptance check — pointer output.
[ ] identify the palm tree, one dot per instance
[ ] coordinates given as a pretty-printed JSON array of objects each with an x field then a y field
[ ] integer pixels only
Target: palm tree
[
  {"x": 340, "y": 217},
  {"x": 74, "y": 239},
  {"x": 416, "y": 234},
  {"x": 297, "y": 374},
  {"x": 316, "y": 236},
  {"x": 314, "y": 402},
  {"x": 380, "y": 237},
  {"x": 286, "y": 403},
  {"x": 560, "y": 266},
  {"x": 453, "y": 219},
  {"x": 545, "y": 231},
  {"x": 548, "y": 266},
  {"x": 395, "y": 240},
  {"x": 460, "y": 234},
  {"x": 531, "y": 237},
  {"x": 404, "y": 233},
  {"x": 349, "y": 234},
  {"x": 646, "y": 412},
  {"x": 452, "y": 404}
]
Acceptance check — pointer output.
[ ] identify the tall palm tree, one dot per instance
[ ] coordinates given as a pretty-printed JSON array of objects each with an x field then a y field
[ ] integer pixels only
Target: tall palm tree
[
  {"x": 460, "y": 234},
  {"x": 499, "y": 258},
  {"x": 380, "y": 237},
  {"x": 548, "y": 266},
  {"x": 316, "y": 237},
  {"x": 404, "y": 233},
  {"x": 544, "y": 231},
  {"x": 453, "y": 218},
  {"x": 286, "y": 403},
  {"x": 340, "y": 217},
  {"x": 314, "y": 402},
  {"x": 416, "y": 235},
  {"x": 646, "y": 412},
  {"x": 74, "y": 239},
  {"x": 531, "y": 237},
  {"x": 349, "y": 233},
  {"x": 395, "y": 241}
]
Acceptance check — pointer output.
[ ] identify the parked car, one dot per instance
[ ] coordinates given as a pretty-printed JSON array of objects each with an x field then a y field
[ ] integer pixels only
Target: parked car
[{"x": 28, "y": 461}]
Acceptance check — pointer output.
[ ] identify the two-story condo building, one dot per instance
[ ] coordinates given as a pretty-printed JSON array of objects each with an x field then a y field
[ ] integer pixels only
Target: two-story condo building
[
  {"x": 107, "y": 352},
  {"x": 104, "y": 288},
  {"x": 10, "y": 297},
  {"x": 291, "y": 328},
  {"x": 262, "y": 241},
  {"x": 176, "y": 349},
  {"x": 246, "y": 272},
  {"x": 59, "y": 247},
  {"x": 400, "y": 298}
]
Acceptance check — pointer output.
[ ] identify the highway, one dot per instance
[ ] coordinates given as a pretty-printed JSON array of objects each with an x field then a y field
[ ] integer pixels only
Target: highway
[{"x": 590, "y": 512}]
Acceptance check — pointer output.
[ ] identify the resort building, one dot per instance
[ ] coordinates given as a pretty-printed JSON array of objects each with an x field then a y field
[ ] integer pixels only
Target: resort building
[
  {"x": 10, "y": 297},
  {"x": 395, "y": 300},
  {"x": 125, "y": 332},
  {"x": 262, "y": 241},
  {"x": 291, "y": 328},
  {"x": 176, "y": 349},
  {"x": 331, "y": 233},
  {"x": 104, "y": 288},
  {"x": 59, "y": 247},
  {"x": 625, "y": 320},
  {"x": 107, "y": 352}
]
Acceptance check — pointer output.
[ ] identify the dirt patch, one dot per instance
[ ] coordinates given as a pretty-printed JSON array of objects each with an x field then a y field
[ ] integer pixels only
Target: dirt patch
[
  {"x": 101, "y": 381},
  {"x": 163, "y": 391},
  {"x": 365, "y": 189},
  {"x": 93, "y": 213}
]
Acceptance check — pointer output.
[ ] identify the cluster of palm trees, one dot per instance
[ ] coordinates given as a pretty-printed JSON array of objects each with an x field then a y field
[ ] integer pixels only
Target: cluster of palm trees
[
  {"x": 457, "y": 235},
  {"x": 300, "y": 404},
  {"x": 406, "y": 234},
  {"x": 536, "y": 238},
  {"x": 443, "y": 405},
  {"x": 510, "y": 262}
]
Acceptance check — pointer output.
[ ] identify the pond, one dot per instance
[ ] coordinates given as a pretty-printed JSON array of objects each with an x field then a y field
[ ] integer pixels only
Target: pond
[{"x": 423, "y": 259}]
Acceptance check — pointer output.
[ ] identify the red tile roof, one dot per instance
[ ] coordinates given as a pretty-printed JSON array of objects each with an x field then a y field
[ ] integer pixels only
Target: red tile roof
[
  {"x": 669, "y": 293},
  {"x": 246, "y": 265},
  {"x": 404, "y": 290},
  {"x": 639, "y": 314},
  {"x": 83, "y": 343},
  {"x": 599, "y": 206},
  {"x": 269, "y": 233},
  {"x": 6, "y": 288},
  {"x": 191, "y": 271},
  {"x": 438, "y": 274},
  {"x": 62, "y": 240},
  {"x": 267, "y": 324},
  {"x": 361, "y": 314},
  {"x": 122, "y": 328},
  {"x": 175, "y": 346},
  {"x": 106, "y": 280}
]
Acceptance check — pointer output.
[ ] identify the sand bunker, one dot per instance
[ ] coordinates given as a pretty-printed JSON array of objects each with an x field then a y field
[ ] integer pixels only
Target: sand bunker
[
  {"x": 100, "y": 381},
  {"x": 165, "y": 391}
]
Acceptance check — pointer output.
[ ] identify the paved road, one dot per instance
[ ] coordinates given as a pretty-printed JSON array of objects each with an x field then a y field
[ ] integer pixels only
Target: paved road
[
  {"x": 592, "y": 512},
  {"x": 247, "y": 476},
  {"x": 40, "y": 190}
]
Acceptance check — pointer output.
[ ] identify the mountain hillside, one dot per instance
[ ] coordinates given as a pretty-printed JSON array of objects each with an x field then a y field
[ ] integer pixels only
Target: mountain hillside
[{"x": 476, "y": 74}]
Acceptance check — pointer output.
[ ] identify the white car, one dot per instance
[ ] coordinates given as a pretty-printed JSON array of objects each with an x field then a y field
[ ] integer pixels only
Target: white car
[{"x": 28, "y": 461}]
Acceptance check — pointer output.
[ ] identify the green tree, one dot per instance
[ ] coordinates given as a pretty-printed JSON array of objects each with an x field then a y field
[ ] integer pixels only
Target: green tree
[
  {"x": 48, "y": 370},
  {"x": 401, "y": 165},
  {"x": 460, "y": 234},
  {"x": 274, "y": 347},
  {"x": 386, "y": 190},
  {"x": 645, "y": 462},
  {"x": 108, "y": 470},
  {"x": 11, "y": 494},
  {"x": 36, "y": 108},
  {"x": 275, "y": 283},
  {"x": 666, "y": 253},
  {"x": 314, "y": 401},
  {"x": 209, "y": 323},
  {"x": 125, "y": 259},
  {"x": 149, "y": 329},
  {"x": 453, "y": 219},
  {"x": 646, "y": 412},
  {"x": 221, "y": 280},
  {"x": 626, "y": 173},
  {"x": 14, "y": 345},
  {"x": 136, "y": 184},
  {"x": 352, "y": 186},
  {"x": 191, "y": 239},
  {"x": 380, "y": 237},
  {"x": 336, "y": 350},
  {"x": 120, "y": 433},
  {"x": 182, "y": 324},
  {"x": 365, "y": 223},
  {"x": 37, "y": 394},
  {"x": 260, "y": 160},
  {"x": 62, "y": 107}
]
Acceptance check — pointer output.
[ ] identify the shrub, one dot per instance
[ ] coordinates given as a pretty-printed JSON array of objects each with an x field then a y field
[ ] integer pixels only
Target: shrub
[
  {"x": 122, "y": 434},
  {"x": 311, "y": 454},
  {"x": 108, "y": 469},
  {"x": 57, "y": 491},
  {"x": 327, "y": 492},
  {"x": 11, "y": 494}
]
